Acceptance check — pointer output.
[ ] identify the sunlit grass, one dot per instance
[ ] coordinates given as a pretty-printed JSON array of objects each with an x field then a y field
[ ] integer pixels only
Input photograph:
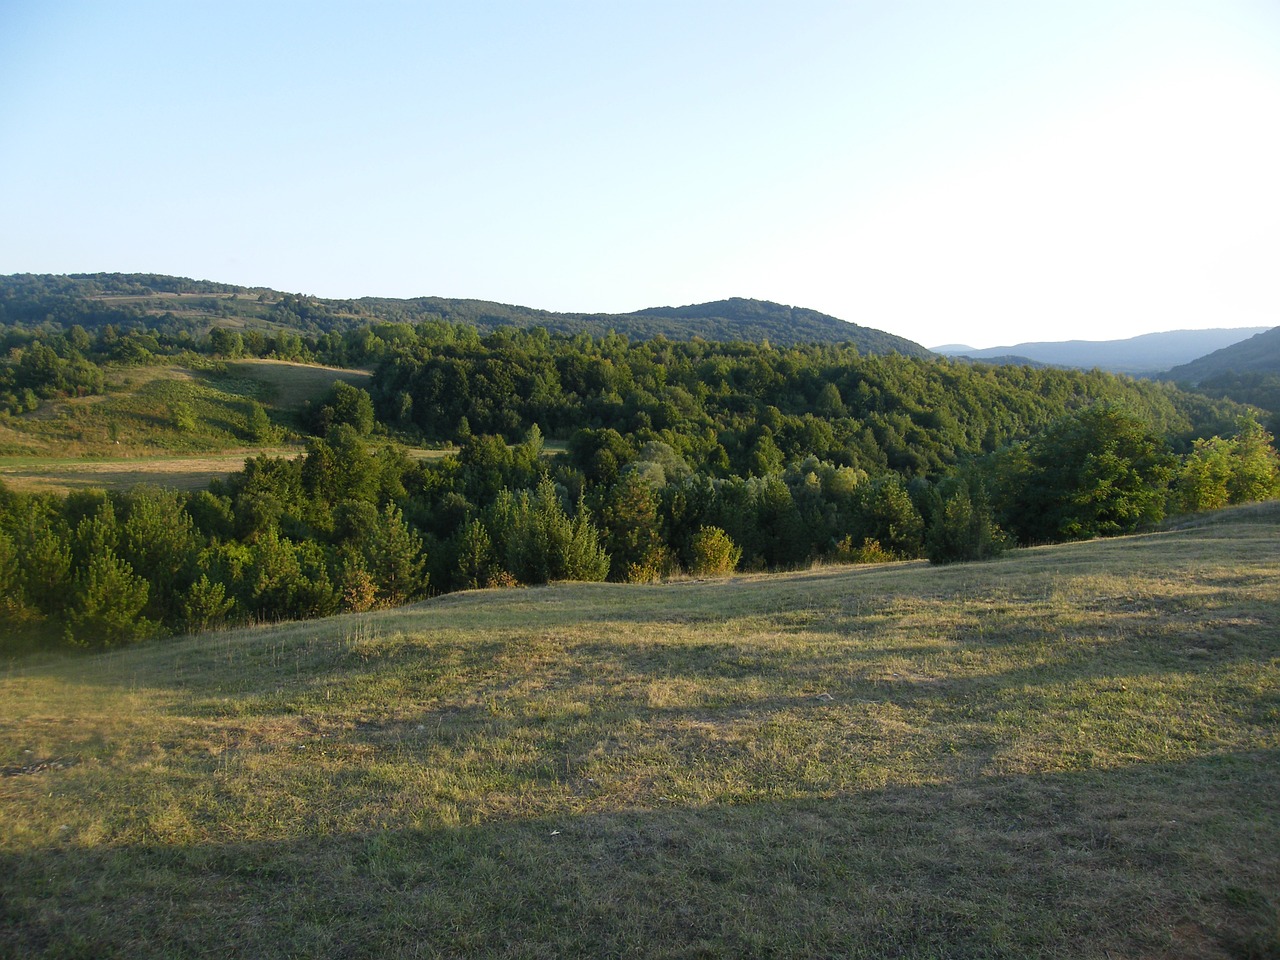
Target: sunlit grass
[{"x": 1071, "y": 751}]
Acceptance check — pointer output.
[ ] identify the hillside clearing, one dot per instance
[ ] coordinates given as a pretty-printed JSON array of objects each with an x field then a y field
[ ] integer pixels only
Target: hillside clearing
[
  {"x": 1069, "y": 752},
  {"x": 289, "y": 386}
]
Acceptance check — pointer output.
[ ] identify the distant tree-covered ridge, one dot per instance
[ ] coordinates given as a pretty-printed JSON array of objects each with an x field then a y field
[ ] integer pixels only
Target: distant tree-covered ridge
[
  {"x": 1260, "y": 354},
  {"x": 1247, "y": 372},
  {"x": 178, "y": 304}
]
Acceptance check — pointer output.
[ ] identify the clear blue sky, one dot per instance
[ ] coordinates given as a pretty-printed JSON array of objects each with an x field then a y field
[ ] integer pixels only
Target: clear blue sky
[{"x": 977, "y": 172}]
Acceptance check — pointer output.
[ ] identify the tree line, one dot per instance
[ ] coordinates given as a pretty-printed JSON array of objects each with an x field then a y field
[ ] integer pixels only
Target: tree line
[{"x": 352, "y": 525}]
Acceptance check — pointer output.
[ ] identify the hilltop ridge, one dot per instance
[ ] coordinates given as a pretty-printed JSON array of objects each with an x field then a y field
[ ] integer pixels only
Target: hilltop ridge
[{"x": 93, "y": 300}]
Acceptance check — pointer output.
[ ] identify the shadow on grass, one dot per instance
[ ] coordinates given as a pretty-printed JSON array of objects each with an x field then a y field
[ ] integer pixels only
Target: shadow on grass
[{"x": 1165, "y": 860}]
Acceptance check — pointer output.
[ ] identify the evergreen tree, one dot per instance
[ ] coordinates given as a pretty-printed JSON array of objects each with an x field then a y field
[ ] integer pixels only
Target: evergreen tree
[
  {"x": 475, "y": 554},
  {"x": 395, "y": 558},
  {"x": 629, "y": 521},
  {"x": 583, "y": 556},
  {"x": 106, "y": 603},
  {"x": 45, "y": 567},
  {"x": 11, "y": 593},
  {"x": 887, "y": 515},
  {"x": 205, "y": 604},
  {"x": 258, "y": 425},
  {"x": 960, "y": 524},
  {"x": 158, "y": 539}
]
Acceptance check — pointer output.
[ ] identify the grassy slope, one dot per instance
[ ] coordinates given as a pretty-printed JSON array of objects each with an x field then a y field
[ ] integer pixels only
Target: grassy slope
[
  {"x": 131, "y": 435},
  {"x": 289, "y": 386},
  {"x": 1068, "y": 752}
]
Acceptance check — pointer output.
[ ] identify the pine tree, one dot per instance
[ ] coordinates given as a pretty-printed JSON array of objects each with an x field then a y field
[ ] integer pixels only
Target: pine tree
[
  {"x": 395, "y": 558},
  {"x": 475, "y": 556},
  {"x": 107, "y": 600},
  {"x": 205, "y": 604}
]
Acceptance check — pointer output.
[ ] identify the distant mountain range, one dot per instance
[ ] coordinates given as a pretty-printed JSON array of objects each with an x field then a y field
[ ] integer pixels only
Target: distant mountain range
[{"x": 1148, "y": 354}]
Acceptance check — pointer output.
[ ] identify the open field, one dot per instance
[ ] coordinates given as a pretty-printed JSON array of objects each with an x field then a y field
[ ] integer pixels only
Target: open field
[
  {"x": 1073, "y": 751},
  {"x": 62, "y": 475},
  {"x": 288, "y": 386},
  {"x": 180, "y": 473}
]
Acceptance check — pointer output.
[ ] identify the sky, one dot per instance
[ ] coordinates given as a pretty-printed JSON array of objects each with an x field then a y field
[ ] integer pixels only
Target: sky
[{"x": 975, "y": 172}]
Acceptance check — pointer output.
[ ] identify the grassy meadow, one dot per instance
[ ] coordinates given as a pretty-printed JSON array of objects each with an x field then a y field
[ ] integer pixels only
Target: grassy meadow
[
  {"x": 287, "y": 386},
  {"x": 1073, "y": 751},
  {"x": 165, "y": 425}
]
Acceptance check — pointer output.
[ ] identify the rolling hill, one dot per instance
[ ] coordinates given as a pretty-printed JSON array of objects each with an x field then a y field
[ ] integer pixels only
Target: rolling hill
[
  {"x": 1150, "y": 353},
  {"x": 1260, "y": 354},
  {"x": 93, "y": 300}
]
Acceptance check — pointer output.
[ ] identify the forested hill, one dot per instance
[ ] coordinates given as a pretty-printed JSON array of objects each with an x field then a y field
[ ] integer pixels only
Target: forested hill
[
  {"x": 176, "y": 304},
  {"x": 721, "y": 320},
  {"x": 1247, "y": 372},
  {"x": 1258, "y": 354}
]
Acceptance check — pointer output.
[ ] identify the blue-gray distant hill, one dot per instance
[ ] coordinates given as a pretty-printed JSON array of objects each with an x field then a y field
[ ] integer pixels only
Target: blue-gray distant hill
[
  {"x": 1149, "y": 354},
  {"x": 1247, "y": 372},
  {"x": 179, "y": 304},
  {"x": 1258, "y": 354}
]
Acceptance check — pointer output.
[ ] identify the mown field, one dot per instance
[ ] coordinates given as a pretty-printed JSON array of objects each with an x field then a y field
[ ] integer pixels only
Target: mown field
[{"x": 1069, "y": 752}]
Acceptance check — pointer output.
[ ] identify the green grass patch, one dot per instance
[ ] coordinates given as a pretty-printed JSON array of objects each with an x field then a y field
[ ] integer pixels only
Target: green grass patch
[
  {"x": 288, "y": 387},
  {"x": 145, "y": 411},
  {"x": 1069, "y": 752},
  {"x": 164, "y": 425}
]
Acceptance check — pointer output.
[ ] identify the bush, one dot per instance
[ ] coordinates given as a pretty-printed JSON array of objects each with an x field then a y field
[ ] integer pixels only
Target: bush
[
  {"x": 870, "y": 551},
  {"x": 714, "y": 553}
]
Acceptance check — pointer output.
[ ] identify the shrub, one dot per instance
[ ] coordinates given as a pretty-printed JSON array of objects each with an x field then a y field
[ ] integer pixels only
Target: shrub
[{"x": 714, "y": 553}]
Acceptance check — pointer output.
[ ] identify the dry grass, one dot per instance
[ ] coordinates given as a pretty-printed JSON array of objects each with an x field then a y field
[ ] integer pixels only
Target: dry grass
[
  {"x": 1069, "y": 752},
  {"x": 183, "y": 473}
]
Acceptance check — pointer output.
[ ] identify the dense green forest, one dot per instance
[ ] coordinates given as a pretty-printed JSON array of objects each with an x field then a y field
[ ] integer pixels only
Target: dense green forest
[{"x": 666, "y": 457}]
